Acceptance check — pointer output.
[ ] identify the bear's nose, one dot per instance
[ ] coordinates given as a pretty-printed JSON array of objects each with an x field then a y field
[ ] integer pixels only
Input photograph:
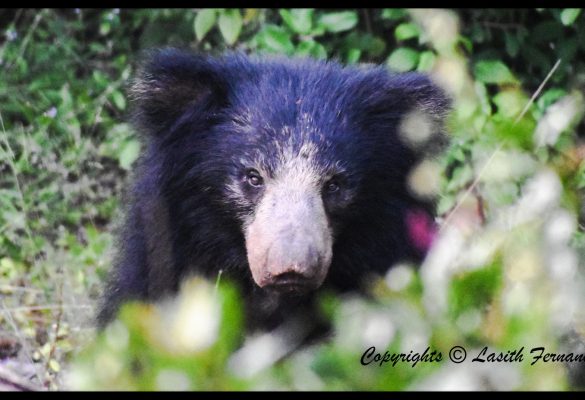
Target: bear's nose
[{"x": 293, "y": 269}]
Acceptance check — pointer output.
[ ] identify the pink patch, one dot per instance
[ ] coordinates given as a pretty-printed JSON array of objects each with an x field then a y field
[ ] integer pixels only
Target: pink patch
[{"x": 421, "y": 229}]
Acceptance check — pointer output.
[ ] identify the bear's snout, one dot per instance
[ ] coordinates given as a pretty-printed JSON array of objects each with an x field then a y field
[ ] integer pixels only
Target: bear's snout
[{"x": 289, "y": 245}]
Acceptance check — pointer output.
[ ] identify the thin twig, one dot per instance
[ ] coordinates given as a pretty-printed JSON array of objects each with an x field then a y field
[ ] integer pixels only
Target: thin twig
[
  {"x": 368, "y": 21},
  {"x": 501, "y": 25},
  {"x": 48, "y": 307},
  {"x": 218, "y": 279},
  {"x": 8, "y": 288},
  {"x": 535, "y": 95},
  {"x": 51, "y": 354},
  {"x": 471, "y": 188}
]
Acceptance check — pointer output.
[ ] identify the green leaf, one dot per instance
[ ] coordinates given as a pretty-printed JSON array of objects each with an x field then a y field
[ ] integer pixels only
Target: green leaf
[
  {"x": 538, "y": 59},
  {"x": 493, "y": 72},
  {"x": 339, "y": 21},
  {"x": 426, "y": 61},
  {"x": 8, "y": 268},
  {"x": 100, "y": 79},
  {"x": 129, "y": 153},
  {"x": 406, "y": 31},
  {"x": 299, "y": 20},
  {"x": 288, "y": 19},
  {"x": 119, "y": 100},
  {"x": 569, "y": 15},
  {"x": 403, "y": 59},
  {"x": 275, "y": 39},
  {"x": 512, "y": 44},
  {"x": 204, "y": 21},
  {"x": 376, "y": 46},
  {"x": 393, "y": 13},
  {"x": 510, "y": 103},
  {"x": 311, "y": 48},
  {"x": 462, "y": 175},
  {"x": 518, "y": 134},
  {"x": 353, "y": 56},
  {"x": 547, "y": 31},
  {"x": 230, "y": 25},
  {"x": 105, "y": 28},
  {"x": 475, "y": 289},
  {"x": 567, "y": 49},
  {"x": 549, "y": 97},
  {"x": 445, "y": 204},
  {"x": 466, "y": 43},
  {"x": 373, "y": 45},
  {"x": 483, "y": 97}
]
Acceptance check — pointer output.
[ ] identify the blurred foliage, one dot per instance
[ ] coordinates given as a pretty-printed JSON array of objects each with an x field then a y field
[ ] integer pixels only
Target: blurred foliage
[{"x": 506, "y": 271}]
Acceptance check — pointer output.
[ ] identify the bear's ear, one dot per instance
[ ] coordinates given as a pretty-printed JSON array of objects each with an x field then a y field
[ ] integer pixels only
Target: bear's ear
[
  {"x": 172, "y": 82},
  {"x": 423, "y": 106},
  {"x": 419, "y": 91}
]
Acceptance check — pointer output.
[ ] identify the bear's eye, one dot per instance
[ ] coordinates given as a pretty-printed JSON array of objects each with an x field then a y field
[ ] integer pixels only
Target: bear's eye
[
  {"x": 331, "y": 186},
  {"x": 254, "y": 179}
]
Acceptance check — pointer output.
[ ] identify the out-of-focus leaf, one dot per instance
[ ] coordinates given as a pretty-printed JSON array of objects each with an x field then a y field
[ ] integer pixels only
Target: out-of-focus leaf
[
  {"x": 547, "y": 31},
  {"x": 475, "y": 289},
  {"x": 339, "y": 21},
  {"x": 119, "y": 100},
  {"x": 406, "y": 31},
  {"x": 393, "y": 13},
  {"x": 403, "y": 59},
  {"x": 510, "y": 102},
  {"x": 558, "y": 117},
  {"x": 537, "y": 57},
  {"x": 204, "y": 21},
  {"x": 129, "y": 153},
  {"x": 230, "y": 25},
  {"x": 512, "y": 43},
  {"x": 466, "y": 43},
  {"x": 353, "y": 56},
  {"x": 105, "y": 28},
  {"x": 376, "y": 46},
  {"x": 567, "y": 50},
  {"x": 483, "y": 97},
  {"x": 275, "y": 39},
  {"x": 426, "y": 61},
  {"x": 299, "y": 20},
  {"x": 251, "y": 14},
  {"x": 549, "y": 97},
  {"x": 461, "y": 177},
  {"x": 569, "y": 15},
  {"x": 9, "y": 268},
  {"x": 493, "y": 71},
  {"x": 54, "y": 365},
  {"x": 311, "y": 48}
]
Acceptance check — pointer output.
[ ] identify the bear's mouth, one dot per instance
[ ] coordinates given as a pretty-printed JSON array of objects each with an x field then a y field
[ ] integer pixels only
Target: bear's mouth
[{"x": 291, "y": 284}]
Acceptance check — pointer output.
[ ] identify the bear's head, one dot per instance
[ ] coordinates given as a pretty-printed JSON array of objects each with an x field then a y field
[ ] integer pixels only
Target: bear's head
[{"x": 305, "y": 161}]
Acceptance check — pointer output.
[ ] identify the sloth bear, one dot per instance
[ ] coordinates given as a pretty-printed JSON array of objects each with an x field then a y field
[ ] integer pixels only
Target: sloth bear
[{"x": 284, "y": 175}]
